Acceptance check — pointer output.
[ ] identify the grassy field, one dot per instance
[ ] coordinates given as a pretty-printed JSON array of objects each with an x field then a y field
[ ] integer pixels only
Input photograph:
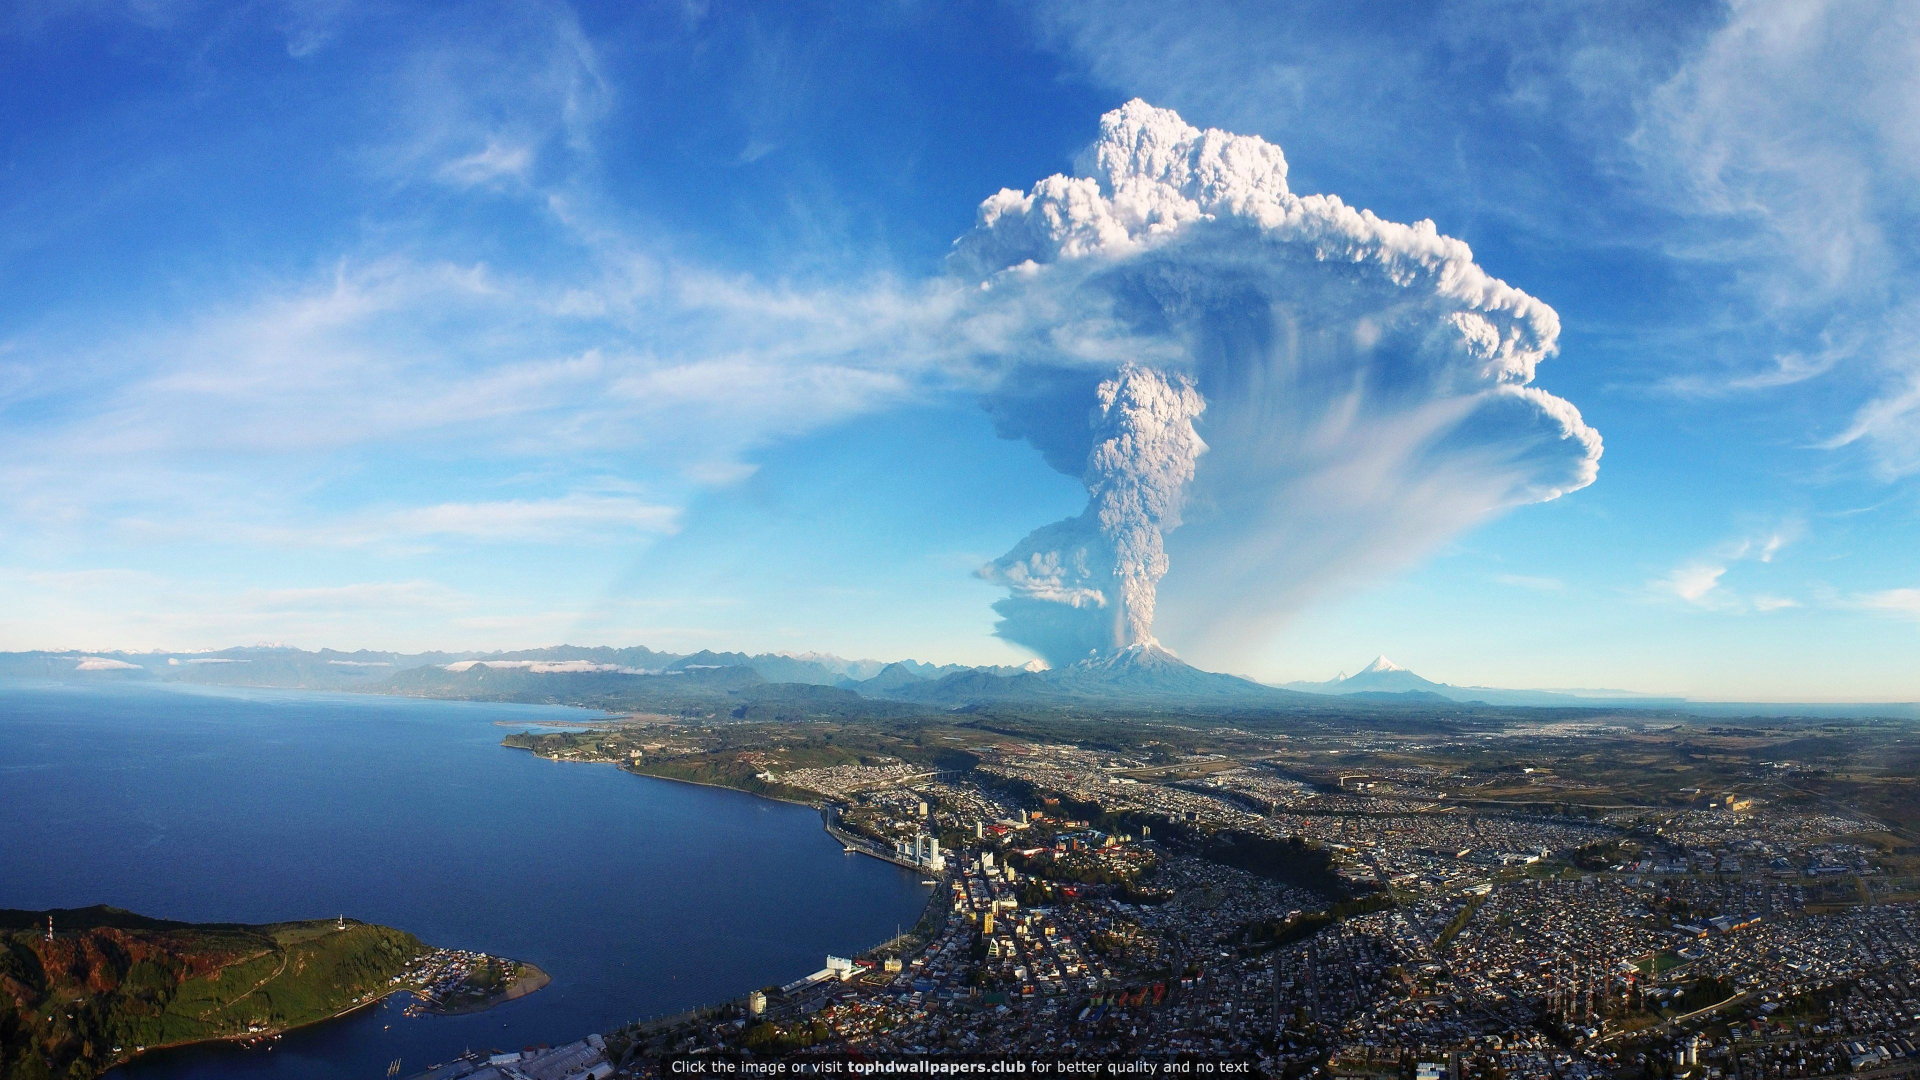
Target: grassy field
[{"x": 111, "y": 983}]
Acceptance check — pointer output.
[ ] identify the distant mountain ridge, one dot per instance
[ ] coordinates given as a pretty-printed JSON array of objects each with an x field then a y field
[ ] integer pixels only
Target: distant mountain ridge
[
  {"x": 636, "y": 677},
  {"x": 818, "y": 685},
  {"x": 1383, "y": 677},
  {"x": 603, "y": 675},
  {"x": 1145, "y": 674},
  {"x": 331, "y": 669}
]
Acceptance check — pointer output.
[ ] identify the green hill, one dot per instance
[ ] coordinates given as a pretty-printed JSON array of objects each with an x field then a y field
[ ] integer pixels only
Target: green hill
[{"x": 111, "y": 983}]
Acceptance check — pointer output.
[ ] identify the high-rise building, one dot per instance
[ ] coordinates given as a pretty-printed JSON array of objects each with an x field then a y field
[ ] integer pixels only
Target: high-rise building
[{"x": 922, "y": 850}]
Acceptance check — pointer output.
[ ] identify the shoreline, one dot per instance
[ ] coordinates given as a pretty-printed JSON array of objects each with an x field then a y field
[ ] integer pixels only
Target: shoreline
[
  {"x": 860, "y": 845},
  {"x": 627, "y": 767},
  {"x": 932, "y": 915},
  {"x": 531, "y": 973},
  {"x": 300, "y": 1028},
  {"x": 250, "y": 1036},
  {"x": 539, "y": 978}
]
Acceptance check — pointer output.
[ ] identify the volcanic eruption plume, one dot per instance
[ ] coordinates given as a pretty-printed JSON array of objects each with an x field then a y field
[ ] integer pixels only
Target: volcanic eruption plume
[
  {"x": 1108, "y": 561},
  {"x": 1361, "y": 386}
]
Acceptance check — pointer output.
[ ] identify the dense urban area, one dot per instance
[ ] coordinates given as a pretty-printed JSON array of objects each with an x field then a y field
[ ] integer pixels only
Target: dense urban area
[{"x": 1644, "y": 897}]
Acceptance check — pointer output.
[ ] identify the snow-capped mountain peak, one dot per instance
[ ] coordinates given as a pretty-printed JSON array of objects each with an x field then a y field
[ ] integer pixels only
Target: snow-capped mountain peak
[{"x": 1380, "y": 664}]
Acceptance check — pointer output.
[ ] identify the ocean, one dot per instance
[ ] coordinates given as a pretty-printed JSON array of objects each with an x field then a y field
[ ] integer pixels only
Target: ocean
[{"x": 640, "y": 897}]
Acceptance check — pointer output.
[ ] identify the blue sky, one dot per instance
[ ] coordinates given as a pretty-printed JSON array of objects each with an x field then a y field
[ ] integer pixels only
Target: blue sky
[{"x": 503, "y": 324}]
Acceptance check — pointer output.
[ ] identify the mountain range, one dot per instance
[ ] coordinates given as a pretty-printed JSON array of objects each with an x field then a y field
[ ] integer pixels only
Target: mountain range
[
  {"x": 1138, "y": 673},
  {"x": 1385, "y": 679},
  {"x": 275, "y": 665},
  {"x": 640, "y": 677},
  {"x": 794, "y": 685}
]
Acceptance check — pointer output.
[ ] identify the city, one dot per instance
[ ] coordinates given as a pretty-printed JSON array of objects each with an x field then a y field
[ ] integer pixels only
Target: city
[{"x": 1346, "y": 905}]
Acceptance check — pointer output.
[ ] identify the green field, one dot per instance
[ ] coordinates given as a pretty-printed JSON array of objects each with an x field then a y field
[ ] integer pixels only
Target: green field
[{"x": 111, "y": 983}]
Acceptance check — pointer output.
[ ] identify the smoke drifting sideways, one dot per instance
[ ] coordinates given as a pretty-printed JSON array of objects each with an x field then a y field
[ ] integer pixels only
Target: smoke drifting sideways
[{"x": 1319, "y": 395}]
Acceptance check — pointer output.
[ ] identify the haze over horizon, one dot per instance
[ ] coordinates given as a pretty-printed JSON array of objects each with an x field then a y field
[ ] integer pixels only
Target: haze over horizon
[
  {"x": 973, "y": 334},
  {"x": 1376, "y": 677}
]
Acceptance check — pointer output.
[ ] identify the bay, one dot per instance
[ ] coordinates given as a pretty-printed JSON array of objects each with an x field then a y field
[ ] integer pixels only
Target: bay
[{"x": 638, "y": 896}]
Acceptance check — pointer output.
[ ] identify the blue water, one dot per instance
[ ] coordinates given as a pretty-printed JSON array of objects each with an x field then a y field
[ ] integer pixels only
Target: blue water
[{"x": 638, "y": 896}]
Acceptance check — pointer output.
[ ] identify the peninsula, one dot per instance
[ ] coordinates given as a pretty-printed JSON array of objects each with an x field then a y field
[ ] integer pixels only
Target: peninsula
[{"x": 85, "y": 989}]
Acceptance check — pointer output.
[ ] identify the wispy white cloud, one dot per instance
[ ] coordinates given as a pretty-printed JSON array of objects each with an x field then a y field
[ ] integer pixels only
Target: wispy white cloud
[
  {"x": 720, "y": 473},
  {"x": 102, "y": 578},
  {"x": 1700, "y": 581},
  {"x": 575, "y": 516},
  {"x": 519, "y": 98},
  {"x": 224, "y": 415},
  {"x": 1763, "y": 547},
  {"x": 586, "y": 517},
  {"x": 528, "y": 626},
  {"x": 1787, "y": 369},
  {"x": 115, "y": 609},
  {"x": 1891, "y": 422},
  {"x": 497, "y": 160},
  {"x": 1792, "y": 130},
  {"x": 1534, "y": 582},
  {"x": 1694, "y": 583},
  {"x": 1904, "y": 602},
  {"x": 548, "y": 667},
  {"x": 379, "y": 596},
  {"x": 396, "y": 356}
]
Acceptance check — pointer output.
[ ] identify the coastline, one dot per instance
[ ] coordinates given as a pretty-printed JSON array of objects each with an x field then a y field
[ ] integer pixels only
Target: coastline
[
  {"x": 532, "y": 978},
  {"x": 518, "y": 989},
  {"x": 933, "y": 910},
  {"x": 859, "y": 845},
  {"x": 252, "y": 1036},
  {"x": 842, "y": 887},
  {"x": 627, "y": 767}
]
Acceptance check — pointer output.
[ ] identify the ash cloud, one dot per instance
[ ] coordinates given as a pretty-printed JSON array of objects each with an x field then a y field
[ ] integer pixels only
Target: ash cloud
[
  {"x": 1088, "y": 583},
  {"x": 1360, "y": 387}
]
